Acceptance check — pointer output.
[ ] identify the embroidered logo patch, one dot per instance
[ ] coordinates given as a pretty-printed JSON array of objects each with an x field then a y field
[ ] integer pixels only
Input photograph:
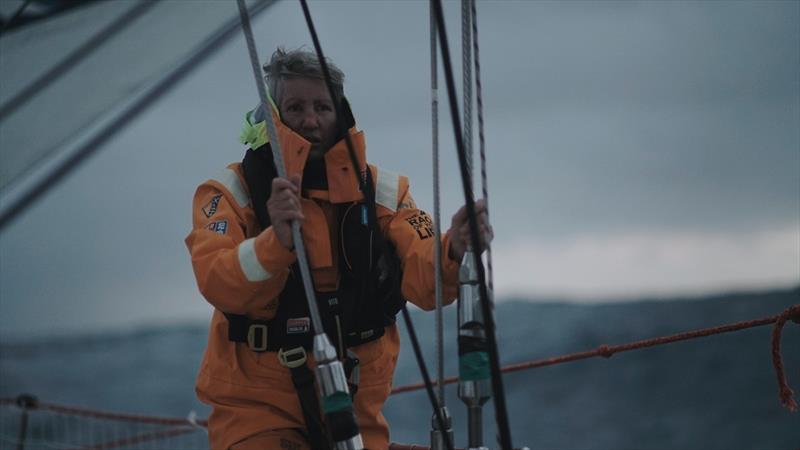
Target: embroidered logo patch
[
  {"x": 298, "y": 325},
  {"x": 220, "y": 226},
  {"x": 211, "y": 206},
  {"x": 422, "y": 224}
]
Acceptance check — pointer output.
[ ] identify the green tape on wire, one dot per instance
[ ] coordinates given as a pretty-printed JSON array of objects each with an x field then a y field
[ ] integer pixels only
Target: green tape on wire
[
  {"x": 338, "y": 401},
  {"x": 474, "y": 366}
]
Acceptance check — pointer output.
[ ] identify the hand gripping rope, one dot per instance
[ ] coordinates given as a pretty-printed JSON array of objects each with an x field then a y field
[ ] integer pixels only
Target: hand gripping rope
[
  {"x": 369, "y": 194},
  {"x": 501, "y": 414},
  {"x": 331, "y": 379}
]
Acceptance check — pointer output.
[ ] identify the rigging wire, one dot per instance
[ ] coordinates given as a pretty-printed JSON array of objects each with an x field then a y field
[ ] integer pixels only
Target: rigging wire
[
  {"x": 481, "y": 138},
  {"x": 124, "y": 118},
  {"x": 74, "y": 58},
  {"x": 437, "y": 215},
  {"x": 466, "y": 81},
  {"x": 297, "y": 237},
  {"x": 448, "y": 444},
  {"x": 368, "y": 190},
  {"x": 501, "y": 414}
]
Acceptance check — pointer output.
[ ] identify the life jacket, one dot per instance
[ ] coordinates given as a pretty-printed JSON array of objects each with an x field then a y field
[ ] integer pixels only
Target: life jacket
[{"x": 368, "y": 297}]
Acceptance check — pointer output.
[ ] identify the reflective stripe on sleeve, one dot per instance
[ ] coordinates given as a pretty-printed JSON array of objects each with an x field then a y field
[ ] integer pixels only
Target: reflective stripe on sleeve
[
  {"x": 230, "y": 180},
  {"x": 252, "y": 268},
  {"x": 386, "y": 190}
]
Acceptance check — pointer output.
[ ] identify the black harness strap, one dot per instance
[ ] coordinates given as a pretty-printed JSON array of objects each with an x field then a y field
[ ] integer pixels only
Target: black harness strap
[
  {"x": 367, "y": 300},
  {"x": 303, "y": 381}
]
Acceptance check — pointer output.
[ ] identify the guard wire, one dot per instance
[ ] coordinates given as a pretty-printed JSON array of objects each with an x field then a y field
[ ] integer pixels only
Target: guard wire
[
  {"x": 501, "y": 415},
  {"x": 297, "y": 236},
  {"x": 49, "y": 181},
  {"x": 368, "y": 190}
]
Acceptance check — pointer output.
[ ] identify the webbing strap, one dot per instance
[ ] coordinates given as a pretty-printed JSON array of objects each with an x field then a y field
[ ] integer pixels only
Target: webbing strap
[{"x": 303, "y": 381}]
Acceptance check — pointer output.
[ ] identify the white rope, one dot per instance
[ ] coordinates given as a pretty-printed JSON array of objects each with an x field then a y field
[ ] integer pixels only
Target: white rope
[{"x": 278, "y": 158}]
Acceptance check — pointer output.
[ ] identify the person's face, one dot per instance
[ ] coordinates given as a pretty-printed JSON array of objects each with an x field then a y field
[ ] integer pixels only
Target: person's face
[{"x": 307, "y": 109}]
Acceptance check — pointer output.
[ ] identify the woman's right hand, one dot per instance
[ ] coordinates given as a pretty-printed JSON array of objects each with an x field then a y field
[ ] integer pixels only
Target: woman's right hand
[{"x": 284, "y": 206}]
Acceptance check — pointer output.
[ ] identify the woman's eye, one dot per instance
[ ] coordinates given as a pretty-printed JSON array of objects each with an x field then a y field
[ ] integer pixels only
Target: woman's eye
[{"x": 293, "y": 108}]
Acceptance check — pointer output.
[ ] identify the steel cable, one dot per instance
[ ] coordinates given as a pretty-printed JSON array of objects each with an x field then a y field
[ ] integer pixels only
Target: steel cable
[
  {"x": 481, "y": 138},
  {"x": 501, "y": 413},
  {"x": 297, "y": 237},
  {"x": 437, "y": 215}
]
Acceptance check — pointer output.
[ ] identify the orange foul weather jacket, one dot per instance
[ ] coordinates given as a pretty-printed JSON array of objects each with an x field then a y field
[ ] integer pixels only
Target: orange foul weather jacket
[{"x": 241, "y": 269}]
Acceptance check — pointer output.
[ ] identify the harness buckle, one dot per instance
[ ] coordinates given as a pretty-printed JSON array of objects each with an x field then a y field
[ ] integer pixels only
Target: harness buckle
[
  {"x": 255, "y": 340},
  {"x": 292, "y": 358}
]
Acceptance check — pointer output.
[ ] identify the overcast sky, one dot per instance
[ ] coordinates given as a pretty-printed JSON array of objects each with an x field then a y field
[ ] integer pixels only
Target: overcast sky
[{"x": 634, "y": 149}]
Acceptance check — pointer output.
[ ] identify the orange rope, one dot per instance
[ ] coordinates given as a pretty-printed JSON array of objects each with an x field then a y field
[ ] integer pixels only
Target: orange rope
[
  {"x": 83, "y": 412},
  {"x": 784, "y": 391},
  {"x": 607, "y": 351}
]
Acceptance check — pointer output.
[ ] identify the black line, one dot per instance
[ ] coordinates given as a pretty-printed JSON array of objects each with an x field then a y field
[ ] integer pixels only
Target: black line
[
  {"x": 368, "y": 190},
  {"x": 12, "y": 22},
  {"x": 501, "y": 414},
  {"x": 437, "y": 410},
  {"x": 48, "y": 182}
]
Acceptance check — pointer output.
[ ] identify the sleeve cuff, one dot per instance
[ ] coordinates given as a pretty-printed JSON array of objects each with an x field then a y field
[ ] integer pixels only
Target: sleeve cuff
[{"x": 271, "y": 254}]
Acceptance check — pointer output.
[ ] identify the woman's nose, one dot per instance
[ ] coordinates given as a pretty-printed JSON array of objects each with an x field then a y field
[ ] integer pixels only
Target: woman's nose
[{"x": 310, "y": 121}]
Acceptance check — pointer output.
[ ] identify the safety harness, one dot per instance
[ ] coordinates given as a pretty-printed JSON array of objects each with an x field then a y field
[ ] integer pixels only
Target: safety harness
[{"x": 367, "y": 299}]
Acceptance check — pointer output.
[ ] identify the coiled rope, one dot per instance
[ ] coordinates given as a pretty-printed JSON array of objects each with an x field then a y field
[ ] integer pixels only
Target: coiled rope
[{"x": 466, "y": 81}]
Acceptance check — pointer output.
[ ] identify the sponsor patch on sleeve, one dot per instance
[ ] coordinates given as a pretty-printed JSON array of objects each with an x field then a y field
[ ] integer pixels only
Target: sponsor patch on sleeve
[
  {"x": 211, "y": 206},
  {"x": 422, "y": 224},
  {"x": 219, "y": 226}
]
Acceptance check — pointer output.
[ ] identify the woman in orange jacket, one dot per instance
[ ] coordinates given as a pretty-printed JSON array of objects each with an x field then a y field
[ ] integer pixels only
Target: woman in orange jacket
[{"x": 242, "y": 254}]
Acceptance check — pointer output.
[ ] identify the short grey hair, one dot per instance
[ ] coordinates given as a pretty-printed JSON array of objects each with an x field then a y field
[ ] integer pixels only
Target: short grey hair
[{"x": 298, "y": 63}]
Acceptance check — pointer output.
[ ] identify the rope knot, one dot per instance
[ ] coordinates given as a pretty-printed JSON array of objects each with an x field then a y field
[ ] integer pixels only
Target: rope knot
[
  {"x": 794, "y": 313},
  {"x": 605, "y": 351},
  {"x": 785, "y": 393}
]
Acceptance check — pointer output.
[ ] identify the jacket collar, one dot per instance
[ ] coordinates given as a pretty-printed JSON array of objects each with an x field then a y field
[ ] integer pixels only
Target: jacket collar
[{"x": 342, "y": 184}]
